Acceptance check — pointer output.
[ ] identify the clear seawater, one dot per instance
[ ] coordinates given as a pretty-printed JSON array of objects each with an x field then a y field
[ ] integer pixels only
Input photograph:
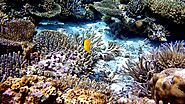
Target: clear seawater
[{"x": 129, "y": 46}]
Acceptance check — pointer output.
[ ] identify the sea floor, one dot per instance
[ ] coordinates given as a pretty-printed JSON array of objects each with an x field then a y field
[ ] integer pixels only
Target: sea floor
[{"x": 130, "y": 47}]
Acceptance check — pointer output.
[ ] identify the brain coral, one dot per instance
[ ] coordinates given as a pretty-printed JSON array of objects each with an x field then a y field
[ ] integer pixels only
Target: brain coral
[{"x": 169, "y": 86}]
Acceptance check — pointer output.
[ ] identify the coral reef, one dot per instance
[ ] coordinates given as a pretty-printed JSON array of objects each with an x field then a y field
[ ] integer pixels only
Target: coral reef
[
  {"x": 122, "y": 18},
  {"x": 66, "y": 54},
  {"x": 136, "y": 100},
  {"x": 18, "y": 30},
  {"x": 169, "y": 55},
  {"x": 173, "y": 10},
  {"x": 39, "y": 89},
  {"x": 47, "y": 9},
  {"x": 169, "y": 85},
  {"x": 12, "y": 64},
  {"x": 7, "y": 46},
  {"x": 142, "y": 71}
]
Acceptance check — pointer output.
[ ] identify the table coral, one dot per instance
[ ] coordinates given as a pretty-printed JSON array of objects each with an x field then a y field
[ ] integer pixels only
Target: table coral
[{"x": 169, "y": 85}]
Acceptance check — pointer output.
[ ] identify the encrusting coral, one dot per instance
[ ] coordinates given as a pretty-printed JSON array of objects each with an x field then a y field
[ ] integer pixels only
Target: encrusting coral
[
  {"x": 67, "y": 89},
  {"x": 169, "y": 86}
]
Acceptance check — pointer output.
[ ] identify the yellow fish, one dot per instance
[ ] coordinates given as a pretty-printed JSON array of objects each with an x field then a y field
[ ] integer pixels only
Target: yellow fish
[{"x": 87, "y": 45}]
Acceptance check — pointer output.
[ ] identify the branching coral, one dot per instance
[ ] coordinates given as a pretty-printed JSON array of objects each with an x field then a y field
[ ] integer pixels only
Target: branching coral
[
  {"x": 49, "y": 9},
  {"x": 13, "y": 64},
  {"x": 39, "y": 89},
  {"x": 166, "y": 56},
  {"x": 7, "y": 46},
  {"x": 169, "y": 55},
  {"x": 141, "y": 71},
  {"x": 72, "y": 8},
  {"x": 169, "y": 85}
]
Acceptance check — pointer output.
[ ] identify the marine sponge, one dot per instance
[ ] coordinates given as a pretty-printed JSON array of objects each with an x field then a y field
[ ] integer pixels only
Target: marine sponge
[{"x": 169, "y": 85}]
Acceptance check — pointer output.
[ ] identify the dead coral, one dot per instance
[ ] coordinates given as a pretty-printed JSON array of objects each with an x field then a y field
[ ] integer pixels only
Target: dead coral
[{"x": 169, "y": 85}]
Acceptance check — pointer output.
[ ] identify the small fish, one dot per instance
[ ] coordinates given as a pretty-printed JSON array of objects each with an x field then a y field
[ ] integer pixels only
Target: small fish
[{"x": 87, "y": 45}]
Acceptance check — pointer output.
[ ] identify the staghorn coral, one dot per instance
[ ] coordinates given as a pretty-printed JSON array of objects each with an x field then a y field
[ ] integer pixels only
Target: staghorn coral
[
  {"x": 169, "y": 55},
  {"x": 13, "y": 64},
  {"x": 169, "y": 85},
  {"x": 62, "y": 54},
  {"x": 66, "y": 54},
  {"x": 39, "y": 89},
  {"x": 7, "y": 46},
  {"x": 66, "y": 61}
]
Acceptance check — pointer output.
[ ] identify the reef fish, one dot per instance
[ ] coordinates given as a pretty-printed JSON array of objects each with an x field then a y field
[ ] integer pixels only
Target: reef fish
[{"x": 87, "y": 45}]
